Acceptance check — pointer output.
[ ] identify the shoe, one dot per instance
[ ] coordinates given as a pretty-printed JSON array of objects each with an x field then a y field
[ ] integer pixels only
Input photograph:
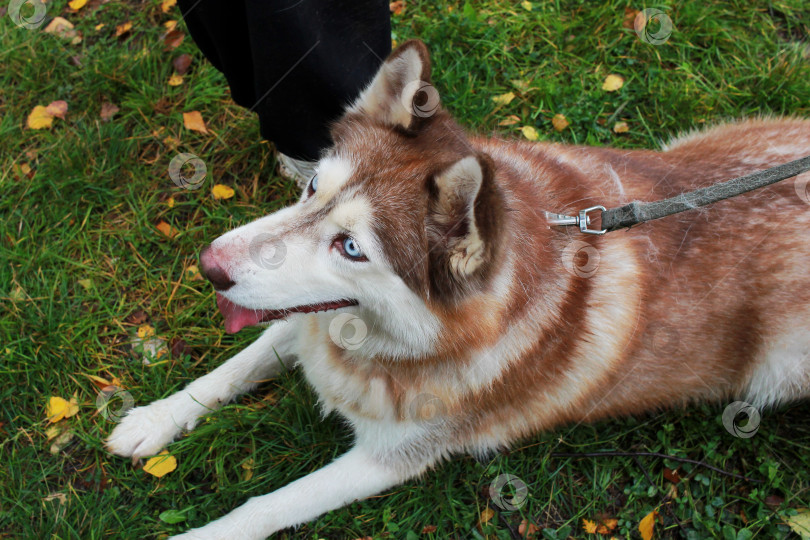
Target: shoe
[{"x": 296, "y": 169}]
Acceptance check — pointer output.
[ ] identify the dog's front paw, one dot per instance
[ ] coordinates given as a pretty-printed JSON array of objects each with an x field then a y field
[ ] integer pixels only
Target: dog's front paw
[{"x": 145, "y": 431}]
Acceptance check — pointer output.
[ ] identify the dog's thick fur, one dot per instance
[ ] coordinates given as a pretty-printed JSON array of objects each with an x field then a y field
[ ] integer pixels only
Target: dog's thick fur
[{"x": 481, "y": 323}]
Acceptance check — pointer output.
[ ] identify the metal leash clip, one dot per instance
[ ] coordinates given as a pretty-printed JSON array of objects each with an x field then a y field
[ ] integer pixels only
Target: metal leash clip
[{"x": 583, "y": 220}]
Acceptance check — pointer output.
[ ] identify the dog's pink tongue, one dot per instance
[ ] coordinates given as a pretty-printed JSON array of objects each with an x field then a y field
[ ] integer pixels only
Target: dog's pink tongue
[{"x": 237, "y": 317}]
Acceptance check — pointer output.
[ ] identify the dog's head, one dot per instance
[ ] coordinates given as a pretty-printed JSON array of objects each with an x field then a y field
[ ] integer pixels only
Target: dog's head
[{"x": 402, "y": 219}]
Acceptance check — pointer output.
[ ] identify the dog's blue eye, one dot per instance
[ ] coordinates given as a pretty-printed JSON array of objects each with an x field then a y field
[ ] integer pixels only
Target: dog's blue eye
[
  {"x": 351, "y": 248},
  {"x": 313, "y": 186}
]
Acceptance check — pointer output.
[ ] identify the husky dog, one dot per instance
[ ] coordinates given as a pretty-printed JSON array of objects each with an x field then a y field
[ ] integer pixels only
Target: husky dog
[{"x": 428, "y": 301}]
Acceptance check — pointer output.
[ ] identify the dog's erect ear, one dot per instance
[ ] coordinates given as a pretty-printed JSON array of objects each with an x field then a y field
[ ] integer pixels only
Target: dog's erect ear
[
  {"x": 465, "y": 216},
  {"x": 401, "y": 94}
]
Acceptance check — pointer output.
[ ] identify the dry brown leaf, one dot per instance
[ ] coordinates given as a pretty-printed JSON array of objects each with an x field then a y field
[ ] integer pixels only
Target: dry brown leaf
[
  {"x": 193, "y": 120},
  {"x": 57, "y": 109},
  {"x": 182, "y": 63},
  {"x": 527, "y": 529},
  {"x": 427, "y": 529},
  {"x": 173, "y": 39},
  {"x": 589, "y": 526},
  {"x": 61, "y": 27},
  {"x": 108, "y": 110},
  {"x": 629, "y": 18},
  {"x": 613, "y": 83},
  {"x": 560, "y": 122},
  {"x": 122, "y": 29},
  {"x": 510, "y": 120},
  {"x": 166, "y": 5},
  {"x": 397, "y": 7},
  {"x": 621, "y": 127}
]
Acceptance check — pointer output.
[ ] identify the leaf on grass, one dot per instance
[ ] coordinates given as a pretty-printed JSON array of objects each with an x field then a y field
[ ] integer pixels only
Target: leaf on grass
[
  {"x": 145, "y": 331},
  {"x": 86, "y": 284},
  {"x": 397, "y": 7},
  {"x": 76, "y": 5},
  {"x": 607, "y": 525},
  {"x": 530, "y": 133},
  {"x": 247, "y": 465},
  {"x": 613, "y": 83},
  {"x": 161, "y": 465},
  {"x": 486, "y": 515},
  {"x": 221, "y": 191},
  {"x": 39, "y": 118},
  {"x": 175, "y": 80},
  {"x": 560, "y": 122},
  {"x": 173, "y": 39},
  {"x": 59, "y": 26},
  {"x": 59, "y": 408},
  {"x": 800, "y": 523},
  {"x": 193, "y": 273},
  {"x": 646, "y": 525},
  {"x": 122, "y": 29},
  {"x": 52, "y": 432},
  {"x": 170, "y": 25},
  {"x": 170, "y": 202},
  {"x": 526, "y": 5},
  {"x": 621, "y": 127},
  {"x": 172, "y": 516},
  {"x": 166, "y": 5},
  {"x": 427, "y": 529},
  {"x": 61, "y": 442},
  {"x": 510, "y": 120},
  {"x": 167, "y": 229},
  {"x": 504, "y": 99},
  {"x": 194, "y": 121},
  {"x": 527, "y": 529},
  {"x": 99, "y": 26},
  {"x": 57, "y": 109},
  {"x": 108, "y": 110},
  {"x": 629, "y": 18},
  {"x": 589, "y": 526},
  {"x": 182, "y": 63}
]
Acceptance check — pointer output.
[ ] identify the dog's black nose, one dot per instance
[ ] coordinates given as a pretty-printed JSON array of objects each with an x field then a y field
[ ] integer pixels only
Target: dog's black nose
[{"x": 213, "y": 271}]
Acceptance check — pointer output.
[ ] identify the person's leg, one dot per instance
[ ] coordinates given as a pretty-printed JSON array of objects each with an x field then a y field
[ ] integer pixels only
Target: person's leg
[{"x": 297, "y": 63}]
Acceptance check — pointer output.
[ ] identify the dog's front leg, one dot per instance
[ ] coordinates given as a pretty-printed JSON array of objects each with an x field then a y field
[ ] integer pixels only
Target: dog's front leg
[
  {"x": 144, "y": 431},
  {"x": 355, "y": 475}
]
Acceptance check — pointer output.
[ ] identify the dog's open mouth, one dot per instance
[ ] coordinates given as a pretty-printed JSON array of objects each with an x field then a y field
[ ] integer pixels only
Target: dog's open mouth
[{"x": 238, "y": 317}]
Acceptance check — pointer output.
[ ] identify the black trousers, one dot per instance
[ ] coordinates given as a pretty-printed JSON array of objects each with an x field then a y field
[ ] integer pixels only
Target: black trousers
[{"x": 297, "y": 63}]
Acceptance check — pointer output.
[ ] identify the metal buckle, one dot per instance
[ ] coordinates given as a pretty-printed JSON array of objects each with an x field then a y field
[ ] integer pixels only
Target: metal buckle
[{"x": 582, "y": 220}]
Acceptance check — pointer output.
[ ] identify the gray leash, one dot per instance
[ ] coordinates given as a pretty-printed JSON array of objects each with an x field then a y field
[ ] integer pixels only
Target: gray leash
[{"x": 638, "y": 212}]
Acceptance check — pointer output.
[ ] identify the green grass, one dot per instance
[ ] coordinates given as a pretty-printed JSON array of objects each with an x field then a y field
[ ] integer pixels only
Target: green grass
[{"x": 97, "y": 189}]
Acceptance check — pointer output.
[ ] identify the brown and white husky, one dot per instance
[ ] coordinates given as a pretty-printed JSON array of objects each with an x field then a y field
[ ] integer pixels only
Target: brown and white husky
[{"x": 428, "y": 301}]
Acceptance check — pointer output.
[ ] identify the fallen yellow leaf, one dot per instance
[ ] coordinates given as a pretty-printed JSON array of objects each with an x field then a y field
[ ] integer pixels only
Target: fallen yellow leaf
[
  {"x": 193, "y": 273},
  {"x": 800, "y": 522},
  {"x": 621, "y": 127},
  {"x": 167, "y": 229},
  {"x": 166, "y": 5},
  {"x": 589, "y": 526},
  {"x": 613, "y": 83},
  {"x": 526, "y": 5},
  {"x": 530, "y": 133},
  {"x": 504, "y": 99},
  {"x": 59, "y": 408},
  {"x": 145, "y": 331},
  {"x": 646, "y": 525},
  {"x": 39, "y": 118},
  {"x": 99, "y": 26},
  {"x": 220, "y": 191},
  {"x": 560, "y": 122},
  {"x": 76, "y": 5},
  {"x": 161, "y": 465},
  {"x": 487, "y": 514},
  {"x": 193, "y": 120},
  {"x": 175, "y": 80},
  {"x": 170, "y": 25},
  {"x": 170, "y": 202},
  {"x": 122, "y": 29}
]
